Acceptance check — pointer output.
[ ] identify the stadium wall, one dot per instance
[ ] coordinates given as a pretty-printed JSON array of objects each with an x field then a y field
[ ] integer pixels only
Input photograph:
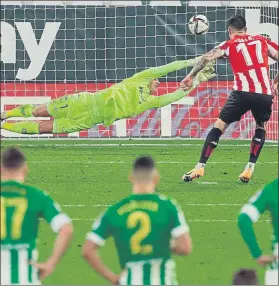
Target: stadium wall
[{"x": 48, "y": 51}]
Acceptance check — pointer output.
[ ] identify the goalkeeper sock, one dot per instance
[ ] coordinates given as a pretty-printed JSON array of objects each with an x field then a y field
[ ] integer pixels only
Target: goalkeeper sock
[
  {"x": 257, "y": 145},
  {"x": 22, "y": 127},
  {"x": 210, "y": 144},
  {"x": 20, "y": 111}
]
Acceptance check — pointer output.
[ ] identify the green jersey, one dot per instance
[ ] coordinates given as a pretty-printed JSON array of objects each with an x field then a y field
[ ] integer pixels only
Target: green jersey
[
  {"x": 126, "y": 99},
  {"x": 132, "y": 96},
  {"x": 21, "y": 208},
  {"x": 142, "y": 227},
  {"x": 265, "y": 200}
]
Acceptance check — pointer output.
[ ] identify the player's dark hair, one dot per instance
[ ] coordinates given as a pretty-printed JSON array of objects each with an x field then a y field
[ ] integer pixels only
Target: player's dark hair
[
  {"x": 245, "y": 277},
  {"x": 12, "y": 158},
  {"x": 237, "y": 22},
  {"x": 145, "y": 163}
]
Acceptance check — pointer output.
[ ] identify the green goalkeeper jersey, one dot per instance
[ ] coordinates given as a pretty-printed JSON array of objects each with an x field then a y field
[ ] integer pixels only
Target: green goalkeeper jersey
[
  {"x": 21, "y": 208},
  {"x": 265, "y": 200},
  {"x": 132, "y": 96},
  {"x": 142, "y": 227}
]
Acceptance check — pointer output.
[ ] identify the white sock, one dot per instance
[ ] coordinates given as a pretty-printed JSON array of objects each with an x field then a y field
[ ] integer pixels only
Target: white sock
[
  {"x": 250, "y": 166},
  {"x": 200, "y": 165}
]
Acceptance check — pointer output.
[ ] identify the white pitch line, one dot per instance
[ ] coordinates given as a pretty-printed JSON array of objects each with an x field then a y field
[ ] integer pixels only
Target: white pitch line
[
  {"x": 190, "y": 204},
  {"x": 189, "y": 220},
  {"x": 122, "y": 162},
  {"x": 207, "y": 183},
  {"x": 75, "y": 206},
  {"x": 136, "y": 144}
]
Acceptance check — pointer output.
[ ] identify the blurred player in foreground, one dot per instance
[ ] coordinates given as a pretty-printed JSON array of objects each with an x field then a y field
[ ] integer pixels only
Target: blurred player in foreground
[
  {"x": 83, "y": 110},
  {"x": 143, "y": 226},
  {"x": 248, "y": 56},
  {"x": 245, "y": 277},
  {"x": 21, "y": 208},
  {"x": 266, "y": 200}
]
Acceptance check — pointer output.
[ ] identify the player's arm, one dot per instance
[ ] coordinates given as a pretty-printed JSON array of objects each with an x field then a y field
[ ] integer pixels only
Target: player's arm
[
  {"x": 94, "y": 240},
  {"x": 156, "y": 72},
  {"x": 275, "y": 84},
  {"x": 61, "y": 224},
  {"x": 250, "y": 213},
  {"x": 181, "y": 242},
  {"x": 182, "y": 245},
  {"x": 272, "y": 49},
  {"x": 274, "y": 56},
  {"x": 164, "y": 100},
  {"x": 273, "y": 53},
  {"x": 214, "y": 54}
]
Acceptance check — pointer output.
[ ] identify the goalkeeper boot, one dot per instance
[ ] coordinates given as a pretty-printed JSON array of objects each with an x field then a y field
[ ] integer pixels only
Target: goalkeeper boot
[
  {"x": 246, "y": 175},
  {"x": 195, "y": 173}
]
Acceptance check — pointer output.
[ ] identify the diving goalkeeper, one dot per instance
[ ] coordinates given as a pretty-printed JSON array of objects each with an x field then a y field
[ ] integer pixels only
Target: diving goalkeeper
[{"x": 79, "y": 111}]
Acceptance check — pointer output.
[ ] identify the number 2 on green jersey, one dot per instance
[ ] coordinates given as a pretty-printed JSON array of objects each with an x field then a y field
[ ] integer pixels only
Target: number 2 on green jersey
[
  {"x": 20, "y": 207},
  {"x": 143, "y": 219}
]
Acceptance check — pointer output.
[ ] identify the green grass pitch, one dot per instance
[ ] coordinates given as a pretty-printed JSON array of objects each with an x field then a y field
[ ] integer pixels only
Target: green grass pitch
[{"x": 84, "y": 177}]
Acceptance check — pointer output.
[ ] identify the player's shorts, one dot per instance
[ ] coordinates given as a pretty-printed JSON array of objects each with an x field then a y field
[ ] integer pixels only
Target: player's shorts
[
  {"x": 271, "y": 277},
  {"x": 239, "y": 102},
  {"x": 71, "y": 113},
  {"x": 18, "y": 271}
]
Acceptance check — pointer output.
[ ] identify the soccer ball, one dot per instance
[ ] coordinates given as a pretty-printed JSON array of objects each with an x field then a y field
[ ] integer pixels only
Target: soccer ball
[{"x": 198, "y": 25}]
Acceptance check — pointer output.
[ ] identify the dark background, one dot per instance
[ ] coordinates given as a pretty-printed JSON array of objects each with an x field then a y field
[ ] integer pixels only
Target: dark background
[{"x": 98, "y": 44}]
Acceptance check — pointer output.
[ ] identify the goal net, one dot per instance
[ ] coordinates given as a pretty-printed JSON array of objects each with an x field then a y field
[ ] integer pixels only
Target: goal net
[{"x": 53, "y": 48}]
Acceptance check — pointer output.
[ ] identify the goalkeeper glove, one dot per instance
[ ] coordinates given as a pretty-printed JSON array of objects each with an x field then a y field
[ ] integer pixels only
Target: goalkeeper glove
[{"x": 206, "y": 74}]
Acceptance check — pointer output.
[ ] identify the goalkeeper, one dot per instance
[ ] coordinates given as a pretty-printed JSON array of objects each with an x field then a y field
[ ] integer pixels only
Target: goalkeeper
[{"x": 79, "y": 111}]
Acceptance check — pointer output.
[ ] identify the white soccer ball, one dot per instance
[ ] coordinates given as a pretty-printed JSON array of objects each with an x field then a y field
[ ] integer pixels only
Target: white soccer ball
[{"x": 198, "y": 25}]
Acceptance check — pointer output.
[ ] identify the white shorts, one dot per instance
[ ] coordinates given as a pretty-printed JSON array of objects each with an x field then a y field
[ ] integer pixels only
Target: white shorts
[
  {"x": 271, "y": 277},
  {"x": 19, "y": 267}
]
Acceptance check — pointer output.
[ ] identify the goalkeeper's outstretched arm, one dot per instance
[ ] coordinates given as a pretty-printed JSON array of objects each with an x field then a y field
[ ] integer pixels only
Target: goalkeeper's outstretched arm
[
  {"x": 163, "y": 100},
  {"x": 156, "y": 72}
]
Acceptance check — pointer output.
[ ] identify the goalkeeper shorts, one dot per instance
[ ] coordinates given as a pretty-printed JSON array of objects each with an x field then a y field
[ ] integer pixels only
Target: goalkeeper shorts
[{"x": 71, "y": 113}]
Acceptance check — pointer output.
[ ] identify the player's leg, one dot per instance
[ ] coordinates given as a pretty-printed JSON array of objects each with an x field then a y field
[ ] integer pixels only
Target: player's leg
[
  {"x": 76, "y": 112},
  {"x": 71, "y": 110},
  {"x": 68, "y": 125},
  {"x": 27, "y": 110},
  {"x": 257, "y": 144},
  {"x": 261, "y": 110},
  {"x": 211, "y": 142},
  {"x": 57, "y": 108},
  {"x": 56, "y": 126},
  {"x": 75, "y": 106},
  {"x": 29, "y": 127},
  {"x": 231, "y": 112}
]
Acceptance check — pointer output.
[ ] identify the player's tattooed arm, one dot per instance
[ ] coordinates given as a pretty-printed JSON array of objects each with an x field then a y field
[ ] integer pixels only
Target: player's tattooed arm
[
  {"x": 275, "y": 57},
  {"x": 275, "y": 85},
  {"x": 216, "y": 53},
  {"x": 204, "y": 60},
  {"x": 276, "y": 79}
]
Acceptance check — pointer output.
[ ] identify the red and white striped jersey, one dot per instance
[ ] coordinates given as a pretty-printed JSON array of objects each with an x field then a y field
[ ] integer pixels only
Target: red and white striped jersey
[{"x": 248, "y": 56}]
